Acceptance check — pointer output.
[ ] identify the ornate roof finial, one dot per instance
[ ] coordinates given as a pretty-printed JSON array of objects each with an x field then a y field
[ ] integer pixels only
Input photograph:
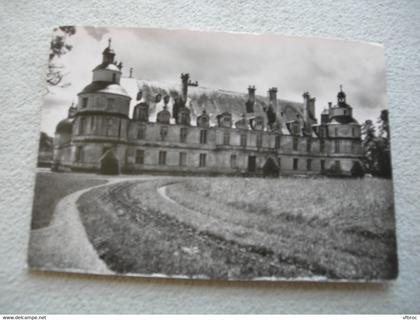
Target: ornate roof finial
[
  {"x": 131, "y": 72},
  {"x": 109, "y": 42},
  {"x": 341, "y": 87}
]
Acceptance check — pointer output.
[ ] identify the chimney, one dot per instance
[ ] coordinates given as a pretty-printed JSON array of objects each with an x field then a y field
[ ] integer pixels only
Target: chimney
[
  {"x": 184, "y": 83},
  {"x": 251, "y": 93},
  {"x": 329, "y": 106},
  {"x": 306, "y": 103},
  {"x": 308, "y": 112},
  {"x": 272, "y": 94}
]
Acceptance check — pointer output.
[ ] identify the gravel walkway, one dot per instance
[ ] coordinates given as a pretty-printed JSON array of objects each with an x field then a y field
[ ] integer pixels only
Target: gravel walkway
[{"x": 63, "y": 245}]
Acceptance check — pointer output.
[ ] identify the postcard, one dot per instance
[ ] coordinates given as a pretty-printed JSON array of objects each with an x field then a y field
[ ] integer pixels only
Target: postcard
[{"x": 204, "y": 155}]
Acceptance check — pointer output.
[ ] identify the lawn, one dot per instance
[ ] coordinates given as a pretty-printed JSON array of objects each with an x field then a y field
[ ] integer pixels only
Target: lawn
[
  {"x": 240, "y": 228},
  {"x": 342, "y": 228},
  {"x": 51, "y": 187}
]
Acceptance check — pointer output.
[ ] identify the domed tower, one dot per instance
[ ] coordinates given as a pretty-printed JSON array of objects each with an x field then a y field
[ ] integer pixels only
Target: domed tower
[
  {"x": 341, "y": 122},
  {"x": 101, "y": 120},
  {"x": 344, "y": 133},
  {"x": 62, "y": 141},
  {"x": 342, "y": 112}
]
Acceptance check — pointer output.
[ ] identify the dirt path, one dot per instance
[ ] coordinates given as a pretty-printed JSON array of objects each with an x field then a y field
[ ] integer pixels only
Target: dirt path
[
  {"x": 64, "y": 245},
  {"x": 162, "y": 192}
]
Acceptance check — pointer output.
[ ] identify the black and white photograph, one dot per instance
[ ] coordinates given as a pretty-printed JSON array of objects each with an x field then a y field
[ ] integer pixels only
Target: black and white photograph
[{"x": 213, "y": 155}]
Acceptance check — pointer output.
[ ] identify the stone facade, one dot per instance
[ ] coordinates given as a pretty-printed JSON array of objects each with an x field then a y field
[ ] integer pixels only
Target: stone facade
[{"x": 100, "y": 136}]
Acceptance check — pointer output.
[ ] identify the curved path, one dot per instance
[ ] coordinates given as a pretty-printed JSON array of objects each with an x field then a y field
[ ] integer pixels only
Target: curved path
[{"x": 64, "y": 245}]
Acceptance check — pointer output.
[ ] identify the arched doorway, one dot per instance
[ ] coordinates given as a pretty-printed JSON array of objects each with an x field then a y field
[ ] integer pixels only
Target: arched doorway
[
  {"x": 270, "y": 168},
  {"x": 109, "y": 163}
]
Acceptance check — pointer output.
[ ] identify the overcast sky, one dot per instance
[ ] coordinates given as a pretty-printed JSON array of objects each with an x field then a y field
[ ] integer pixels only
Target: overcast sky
[{"x": 229, "y": 61}]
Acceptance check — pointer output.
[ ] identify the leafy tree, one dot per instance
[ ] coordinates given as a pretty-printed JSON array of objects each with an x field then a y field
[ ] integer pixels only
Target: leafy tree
[
  {"x": 59, "y": 46},
  {"x": 383, "y": 146},
  {"x": 369, "y": 144},
  {"x": 384, "y": 124},
  {"x": 377, "y": 147}
]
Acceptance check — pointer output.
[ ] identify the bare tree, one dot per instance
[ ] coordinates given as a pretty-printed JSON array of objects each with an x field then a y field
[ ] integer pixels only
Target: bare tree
[{"x": 58, "y": 47}]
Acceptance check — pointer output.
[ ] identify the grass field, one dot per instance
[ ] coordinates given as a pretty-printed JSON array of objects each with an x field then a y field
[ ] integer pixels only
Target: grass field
[
  {"x": 245, "y": 228},
  {"x": 50, "y": 188}
]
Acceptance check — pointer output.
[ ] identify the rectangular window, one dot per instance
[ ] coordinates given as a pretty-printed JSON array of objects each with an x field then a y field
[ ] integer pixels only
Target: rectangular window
[
  {"x": 182, "y": 159},
  {"x": 92, "y": 124},
  {"x": 335, "y": 132},
  {"x": 353, "y": 131},
  {"x": 295, "y": 143},
  {"x": 259, "y": 140},
  {"x": 309, "y": 164},
  {"x": 203, "y": 136},
  {"x": 322, "y": 145},
  {"x": 139, "y": 156},
  {"x": 337, "y": 165},
  {"x": 84, "y": 103},
  {"x": 322, "y": 165},
  {"x": 233, "y": 161},
  {"x": 110, "y": 102},
  {"x": 79, "y": 154},
  {"x": 202, "y": 160},
  {"x": 295, "y": 164},
  {"x": 308, "y": 145},
  {"x": 252, "y": 163},
  {"x": 162, "y": 158},
  {"x": 183, "y": 134},
  {"x": 243, "y": 140},
  {"x": 108, "y": 127},
  {"x": 163, "y": 132},
  {"x": 337, "y": 146},
  {"x": 226, "y": 137},
  {"x": 277, "y": 142},
  {"x": 82, "y": 124},
  {"x": 141, "y": 132}
]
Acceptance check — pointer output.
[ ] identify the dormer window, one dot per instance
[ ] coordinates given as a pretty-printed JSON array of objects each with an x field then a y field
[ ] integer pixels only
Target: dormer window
[
  {"x": 296, "y": 129},
  {"x": 183, "y": 134},
  {"x": 226, "y": 137},
  {"x": 110, "y": 102},
  {"x": 114, "y": 78},
  {"x": 84, "y": 103}
]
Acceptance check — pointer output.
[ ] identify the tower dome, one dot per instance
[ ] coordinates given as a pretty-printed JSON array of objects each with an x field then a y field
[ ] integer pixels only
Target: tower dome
[
  {"x": 108, "y": 70},
  {"x": 64, "y": 126},
  {"x": 342, "y": 113},
  {"x": 104, "y": 93},
  {"x": 108, "y": 54},
  {"x": 341, "y": 97}
]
